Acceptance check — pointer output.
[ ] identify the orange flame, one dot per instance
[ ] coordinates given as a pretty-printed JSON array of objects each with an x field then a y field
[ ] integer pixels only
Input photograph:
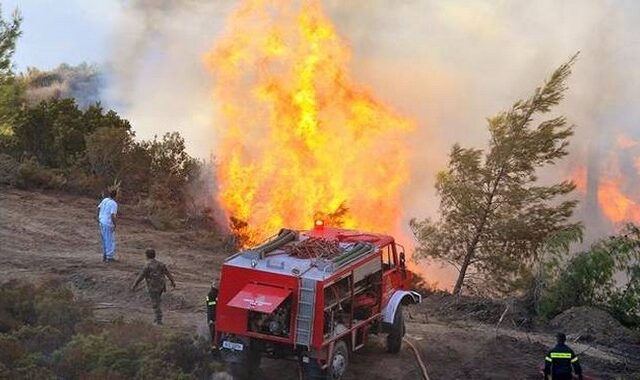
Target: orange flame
[
  {"x": 579, "y": 178},
  {"x": 616, "y": 206},
  {"x": 299, "y": 138},
  {"x": 625, "y": 142}
]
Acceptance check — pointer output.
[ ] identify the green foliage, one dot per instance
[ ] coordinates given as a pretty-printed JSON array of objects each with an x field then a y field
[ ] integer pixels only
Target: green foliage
[
  {"x": 46, "y": 333},
  {"x": 50, "y": 304},
  {"x": 60, "y": 146},
  {"x": 55, "y": 144},
  {"x": 133, "y": 351},
  {"x": 494, "y": 216},
  {"x": 10, "y": 91},
  {"x": 54, "y": 131},
  {"x": 9, "y": 33},
  {"x": 607, "y": 276},
  {"x": 113, "y": 155},
  {"x": 171, "y": 167},
  {"x": 30, "y": 174}
]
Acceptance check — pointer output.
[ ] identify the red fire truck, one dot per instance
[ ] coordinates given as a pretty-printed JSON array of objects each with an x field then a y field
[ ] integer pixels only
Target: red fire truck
[{"x": 313, "y": 296}]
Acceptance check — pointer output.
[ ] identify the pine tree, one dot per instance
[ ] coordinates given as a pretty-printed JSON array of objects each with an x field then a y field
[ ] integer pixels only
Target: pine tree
[{"x": 494, "y": 215}]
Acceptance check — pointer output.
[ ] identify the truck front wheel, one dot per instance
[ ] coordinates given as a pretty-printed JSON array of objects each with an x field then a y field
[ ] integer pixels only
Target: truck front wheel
[
  {"x": 338, "y": 362},
  {"x": 396, "y": 332}
]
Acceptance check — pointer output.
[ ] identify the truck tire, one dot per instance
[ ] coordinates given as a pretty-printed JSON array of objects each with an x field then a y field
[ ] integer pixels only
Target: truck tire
[
  {"x": 338, "y": 362},
  {"x": 246, "y": 369},
  {"x": 396, "y": 332},
  {"x": 337, "y": 365}
]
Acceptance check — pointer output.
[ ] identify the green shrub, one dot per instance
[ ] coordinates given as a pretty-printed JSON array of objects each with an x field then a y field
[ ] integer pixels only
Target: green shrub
[
  {"x": 87, "y": 353},
  {"x": 57, "y": 308},
  {"x": 47, "y": 333},
  {"x": 164, "y": 218},
  {"x": 125, "y": 351},
  {"x": 8, "y": 169},
  {"x": 31, "y": 174},
  {"x": 16, "y": 305},
  {"x": 50, "y": 304},
  {"x": 11, "y": 350},
  {"x": 42, "y": 339},
  {"x": 593, "y": 279}
]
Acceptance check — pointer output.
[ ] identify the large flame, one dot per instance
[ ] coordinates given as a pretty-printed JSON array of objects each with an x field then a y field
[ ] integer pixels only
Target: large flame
[
  {"x": 618, "y": 194},
  {"x": 298, "y": 137},
  {"x": 615, "y": 204}
]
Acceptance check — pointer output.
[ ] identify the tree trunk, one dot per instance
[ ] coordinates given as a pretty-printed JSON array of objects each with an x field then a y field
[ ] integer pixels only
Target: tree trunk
[{"x": 465, "y": 264}]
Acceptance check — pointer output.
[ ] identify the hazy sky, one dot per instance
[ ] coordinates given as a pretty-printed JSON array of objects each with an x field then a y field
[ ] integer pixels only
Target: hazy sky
[{"x": 56, "y": 31}]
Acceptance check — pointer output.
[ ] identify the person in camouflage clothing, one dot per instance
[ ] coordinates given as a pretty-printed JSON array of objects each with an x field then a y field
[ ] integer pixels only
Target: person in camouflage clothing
[{"x": 154, "y": 273}]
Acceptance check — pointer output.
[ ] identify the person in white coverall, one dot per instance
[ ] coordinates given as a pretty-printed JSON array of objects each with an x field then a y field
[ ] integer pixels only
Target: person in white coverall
[{"x": 107, "y": 211}]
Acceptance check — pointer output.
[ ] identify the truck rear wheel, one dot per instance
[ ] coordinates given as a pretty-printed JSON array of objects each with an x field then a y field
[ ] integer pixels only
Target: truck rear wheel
[{"x": 396, "y": 332}]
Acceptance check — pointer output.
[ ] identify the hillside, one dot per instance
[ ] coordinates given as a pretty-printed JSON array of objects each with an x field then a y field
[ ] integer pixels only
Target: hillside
[{"x": 52, "y": 235}]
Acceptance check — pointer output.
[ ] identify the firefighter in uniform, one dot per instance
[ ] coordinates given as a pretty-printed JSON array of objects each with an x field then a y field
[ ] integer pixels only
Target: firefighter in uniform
[
  {"x": 154, "y": 273},
  {"x": 559, "y": 361},
  {"x": 212, "y": 301}
]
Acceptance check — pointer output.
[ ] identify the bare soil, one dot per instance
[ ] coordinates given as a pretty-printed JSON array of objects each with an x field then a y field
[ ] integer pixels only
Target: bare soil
[{"x": 50, "y": 235}]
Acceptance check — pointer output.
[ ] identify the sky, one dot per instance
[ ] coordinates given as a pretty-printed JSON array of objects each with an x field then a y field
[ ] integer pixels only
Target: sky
[{"x": 56, "y": 31}]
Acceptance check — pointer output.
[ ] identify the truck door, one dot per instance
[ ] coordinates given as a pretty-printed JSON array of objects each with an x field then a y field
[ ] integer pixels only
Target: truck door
[{"x": 389, "y": 269}]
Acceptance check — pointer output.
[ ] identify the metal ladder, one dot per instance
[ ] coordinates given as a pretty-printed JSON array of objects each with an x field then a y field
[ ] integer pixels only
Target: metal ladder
[{"x": 306, "y": 303}]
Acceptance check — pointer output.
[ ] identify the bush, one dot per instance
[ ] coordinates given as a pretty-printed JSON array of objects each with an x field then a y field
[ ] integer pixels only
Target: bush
[
  {"x": 56, "y": 145},
  {"x": 8, "y": 169},
  {"x": 50, "y": 304},
  {"x": 164, "y": 218},
  {"x": 133, "y": 351},
  {"x": 41, "y": 339},
  {"x": 87, "y": 353},
  {"x": 48, "y": 334},
  {"x": 31, "y": 174},
  {"x": 592, "y": 279}
]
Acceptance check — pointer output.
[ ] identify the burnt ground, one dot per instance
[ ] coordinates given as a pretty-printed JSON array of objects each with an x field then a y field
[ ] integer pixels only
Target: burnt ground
[{"x": 48, "y": 235}]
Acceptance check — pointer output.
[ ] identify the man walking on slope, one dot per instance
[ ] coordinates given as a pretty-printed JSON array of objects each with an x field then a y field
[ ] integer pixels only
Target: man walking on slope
[
  {"x": 559, "y": 361},
  {"x": 154, "y": 272},
  {"x": 107, "y": 211}
]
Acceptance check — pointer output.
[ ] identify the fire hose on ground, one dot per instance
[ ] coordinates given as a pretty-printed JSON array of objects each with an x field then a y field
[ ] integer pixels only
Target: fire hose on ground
[{"x": 416, "y": 353}]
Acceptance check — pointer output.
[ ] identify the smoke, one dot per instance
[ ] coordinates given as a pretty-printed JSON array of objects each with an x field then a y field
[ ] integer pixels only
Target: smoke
[
  {"x": 452, "y": 64},
  {"x": 82, "y": 82},
  {"x": 448, "y": 65},
  {"x": 157, "y": 76}
]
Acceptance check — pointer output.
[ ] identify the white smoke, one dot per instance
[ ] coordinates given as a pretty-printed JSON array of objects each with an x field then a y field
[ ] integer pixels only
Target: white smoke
[
  {"x": 158, "y": 80},
  {"x": 446, "y": 64}
]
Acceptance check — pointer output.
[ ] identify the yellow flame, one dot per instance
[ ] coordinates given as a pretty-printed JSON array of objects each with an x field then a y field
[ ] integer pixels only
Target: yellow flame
[
  {"x": 616, "y": 205},
  {"x": 298, "y": 137}
]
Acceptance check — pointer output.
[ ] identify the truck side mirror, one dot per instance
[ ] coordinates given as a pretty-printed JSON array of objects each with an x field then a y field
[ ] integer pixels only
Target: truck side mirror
[{"x": 402, "y": 259}]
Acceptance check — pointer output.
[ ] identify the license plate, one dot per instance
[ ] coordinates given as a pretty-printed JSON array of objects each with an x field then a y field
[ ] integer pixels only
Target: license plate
[{"x": 232, "y": 345}]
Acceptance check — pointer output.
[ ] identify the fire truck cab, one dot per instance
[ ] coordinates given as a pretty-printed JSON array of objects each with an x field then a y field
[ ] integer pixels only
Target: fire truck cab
[{"x": 313, "y": 296}]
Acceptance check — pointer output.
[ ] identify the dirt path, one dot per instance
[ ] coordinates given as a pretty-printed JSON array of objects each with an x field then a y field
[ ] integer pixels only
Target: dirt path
[
  {"x": 44, "y": 235},
  {"x": 55, "y": 235}
]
